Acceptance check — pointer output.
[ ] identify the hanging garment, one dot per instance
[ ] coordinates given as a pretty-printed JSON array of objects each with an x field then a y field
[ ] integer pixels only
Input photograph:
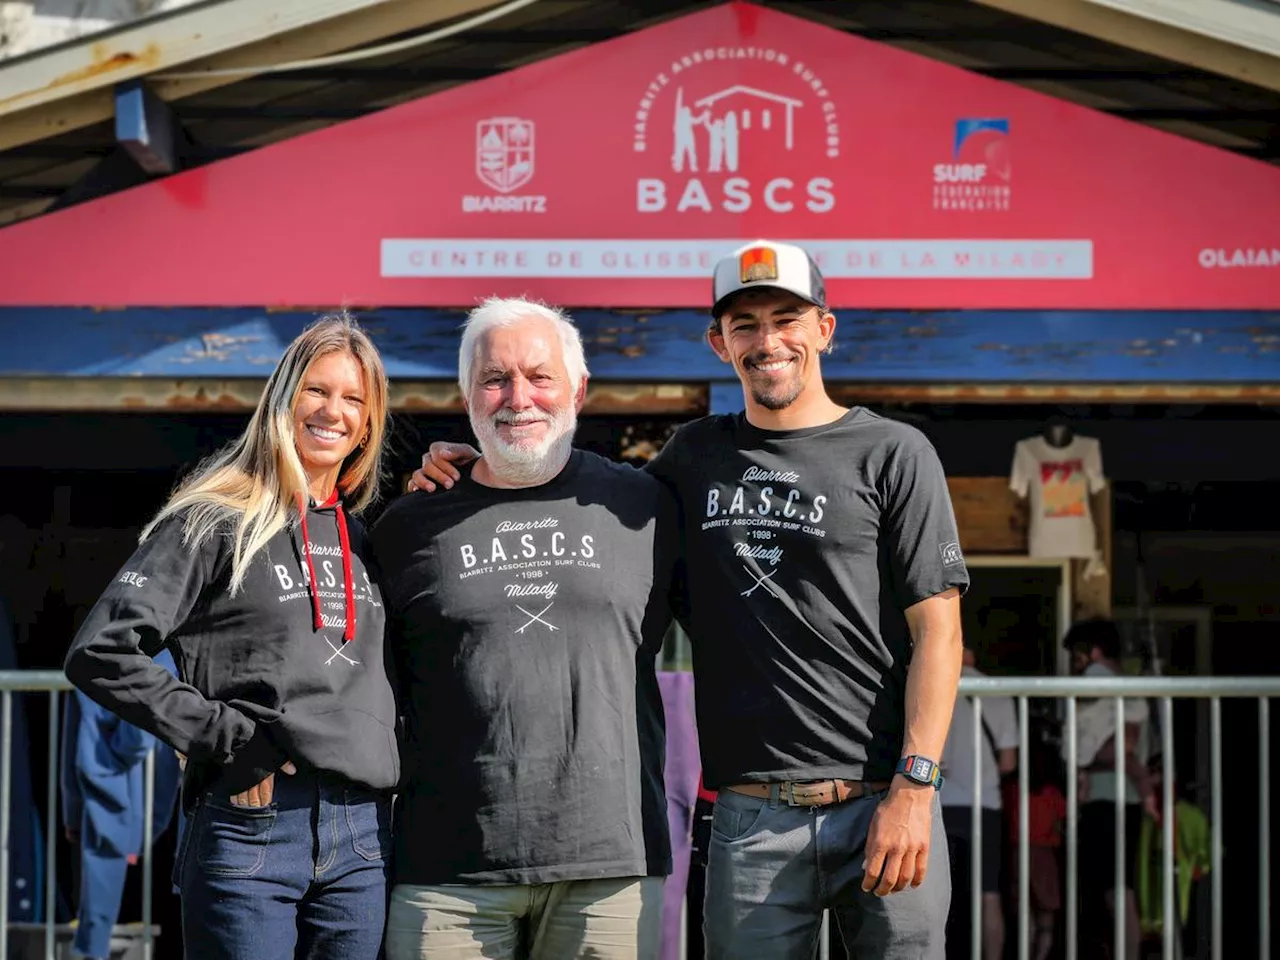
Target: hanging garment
[{"x": 102, "y": 804}]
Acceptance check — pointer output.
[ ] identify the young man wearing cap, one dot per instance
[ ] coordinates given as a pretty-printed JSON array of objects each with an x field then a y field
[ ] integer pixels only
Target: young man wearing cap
[
  {"x": 824, "y": 574},
  {"x": 824, "y": 578}
]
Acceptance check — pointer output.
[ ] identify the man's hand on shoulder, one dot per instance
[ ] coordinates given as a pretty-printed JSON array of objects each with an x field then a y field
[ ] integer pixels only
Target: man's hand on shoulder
[
  {"x": 897, "y": 852},
  {"x": 438, "y": 466}
]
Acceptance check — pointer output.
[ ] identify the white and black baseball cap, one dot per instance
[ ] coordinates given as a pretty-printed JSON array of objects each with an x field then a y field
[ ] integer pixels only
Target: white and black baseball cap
[{"x": 768, "y": 264}]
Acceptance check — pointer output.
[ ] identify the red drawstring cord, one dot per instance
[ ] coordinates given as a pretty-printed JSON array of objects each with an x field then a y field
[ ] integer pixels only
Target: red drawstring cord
[{"x": 347, "y": 578}]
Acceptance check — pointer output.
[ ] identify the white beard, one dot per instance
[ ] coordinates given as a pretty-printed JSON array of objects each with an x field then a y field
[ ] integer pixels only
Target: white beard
[{"x": 527, "y": 463}]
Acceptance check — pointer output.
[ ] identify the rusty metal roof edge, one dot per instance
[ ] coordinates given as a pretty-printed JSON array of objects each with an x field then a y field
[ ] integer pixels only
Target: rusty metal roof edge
[
  {"x": 106, "y": 33},
  {"x": 144, "y": 46}
]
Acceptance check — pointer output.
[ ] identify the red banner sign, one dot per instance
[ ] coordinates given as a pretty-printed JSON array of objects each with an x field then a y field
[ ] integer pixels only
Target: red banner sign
[{"x": 615, "y": 176}]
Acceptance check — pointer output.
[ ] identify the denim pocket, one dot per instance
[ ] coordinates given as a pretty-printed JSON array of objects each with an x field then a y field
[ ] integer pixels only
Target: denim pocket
[
  {"x": 231, "y": 841},
  {"x": 734, "y": 819},
  {"x": 369, "y": 820}
]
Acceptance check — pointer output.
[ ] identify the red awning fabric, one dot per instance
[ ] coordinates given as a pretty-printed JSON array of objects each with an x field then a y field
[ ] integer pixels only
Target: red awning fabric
[{"x": 616, "y": 174}]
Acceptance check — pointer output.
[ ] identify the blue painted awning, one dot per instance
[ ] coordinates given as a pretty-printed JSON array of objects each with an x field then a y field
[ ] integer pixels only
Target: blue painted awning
[{"x": 925, "y": 347}]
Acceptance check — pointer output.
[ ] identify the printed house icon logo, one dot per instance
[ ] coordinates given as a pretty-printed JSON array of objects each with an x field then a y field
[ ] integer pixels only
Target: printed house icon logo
[
  {"x": 720, "y": 121},
  {"x": 504, "y": 152}
]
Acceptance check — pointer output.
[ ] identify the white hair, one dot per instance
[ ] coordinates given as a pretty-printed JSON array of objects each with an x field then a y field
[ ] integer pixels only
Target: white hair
[{"x": 506, "y": 312}]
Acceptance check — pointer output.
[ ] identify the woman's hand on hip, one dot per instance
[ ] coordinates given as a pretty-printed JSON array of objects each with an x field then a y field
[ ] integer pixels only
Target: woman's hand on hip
[{"x": 260, "y": 794}]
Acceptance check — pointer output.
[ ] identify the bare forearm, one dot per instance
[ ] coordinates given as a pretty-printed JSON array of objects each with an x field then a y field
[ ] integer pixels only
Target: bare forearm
[
  {"x": 1105, "y": 756},
  {"x": 1134, "y": 769},
  {"x": 933, "y": 676},
  {"x": 1008, "y": 760},
  {"x": 897, "y": 849},
  {"x": 1105, "y": 760},
  {"x": 1139, "y": 774}
]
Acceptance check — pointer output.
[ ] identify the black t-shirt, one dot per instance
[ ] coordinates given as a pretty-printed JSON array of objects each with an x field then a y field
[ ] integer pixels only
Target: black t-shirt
[
  {"x": 527, "y": 624},
  {"x": 803, "y": 548}
]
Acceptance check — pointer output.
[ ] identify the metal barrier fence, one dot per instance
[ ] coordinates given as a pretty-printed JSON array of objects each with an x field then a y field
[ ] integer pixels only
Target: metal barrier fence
[
  {"x": 54, "y": 684},
  {"x": 1118, "y": 689},
  {"x": 1068, "y": 689}
]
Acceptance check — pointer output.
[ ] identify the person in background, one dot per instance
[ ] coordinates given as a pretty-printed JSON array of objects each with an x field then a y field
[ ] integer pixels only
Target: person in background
[
  {"x": 1192, "y": 861},
  {"x": 1095, "y": 647},
  {"x": 1046, "y": 822},
  {"x": 998, "y": 746},
  {"x": 255, "y": 576}
]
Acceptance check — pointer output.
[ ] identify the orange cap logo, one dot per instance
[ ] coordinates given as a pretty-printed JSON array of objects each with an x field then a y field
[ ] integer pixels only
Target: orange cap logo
[{"x": 758, "y": 263}]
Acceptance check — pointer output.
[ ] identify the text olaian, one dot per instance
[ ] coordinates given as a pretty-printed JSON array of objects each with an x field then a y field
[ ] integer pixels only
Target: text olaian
[
  {"x": 736, "y": 195},
  {"x": 1218, "y": 258}
]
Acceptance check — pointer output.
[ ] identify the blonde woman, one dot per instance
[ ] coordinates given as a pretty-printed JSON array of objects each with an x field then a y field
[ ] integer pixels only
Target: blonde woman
[{"x": 254, "y": 575}]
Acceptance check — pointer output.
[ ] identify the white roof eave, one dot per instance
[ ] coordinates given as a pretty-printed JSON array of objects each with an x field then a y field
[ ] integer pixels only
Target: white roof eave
[
  {"x": 60, "y": 88},
  {"x": 1242, "y": 25}
]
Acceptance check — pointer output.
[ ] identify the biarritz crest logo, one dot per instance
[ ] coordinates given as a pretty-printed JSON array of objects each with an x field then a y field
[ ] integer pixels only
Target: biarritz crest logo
[
  {"x": 750, "y": 127},
  {"x": 505, "y": 151}
]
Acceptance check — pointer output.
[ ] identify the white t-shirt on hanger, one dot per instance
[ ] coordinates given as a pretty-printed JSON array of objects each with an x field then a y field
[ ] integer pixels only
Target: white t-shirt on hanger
[{"x": 1058, "y": 481}]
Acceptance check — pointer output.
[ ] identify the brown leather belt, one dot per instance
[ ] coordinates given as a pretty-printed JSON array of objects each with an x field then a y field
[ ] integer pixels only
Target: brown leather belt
[{"x": 814, "y": 793}]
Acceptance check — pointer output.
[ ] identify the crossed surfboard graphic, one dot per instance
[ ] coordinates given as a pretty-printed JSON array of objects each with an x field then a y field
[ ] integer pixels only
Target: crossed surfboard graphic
[
  {"x": 536, "y": 618},
  {"x": 758, "y": 578}
]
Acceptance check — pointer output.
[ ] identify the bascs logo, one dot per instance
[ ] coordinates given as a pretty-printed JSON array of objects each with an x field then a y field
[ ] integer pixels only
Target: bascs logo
[
  {"x": 504, "y": 162},
  {"x": 978, "y": 177},
  {"x": 736, "y": 145}
]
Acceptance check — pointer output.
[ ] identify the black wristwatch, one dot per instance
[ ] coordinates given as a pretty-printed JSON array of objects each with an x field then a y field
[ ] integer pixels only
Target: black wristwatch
[{"x": 921, "y": 770}]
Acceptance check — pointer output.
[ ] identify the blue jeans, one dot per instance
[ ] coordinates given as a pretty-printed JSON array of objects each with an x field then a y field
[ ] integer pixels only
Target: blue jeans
[
  {"x": 772, "y": 869},
  {"x": 305, "y": 876}
]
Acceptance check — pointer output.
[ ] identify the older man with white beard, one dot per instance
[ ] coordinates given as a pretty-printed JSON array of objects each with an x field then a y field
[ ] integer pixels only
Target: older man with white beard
[
  {"x": 824, "y": 581},
  {"x": 528, "y": 606}
]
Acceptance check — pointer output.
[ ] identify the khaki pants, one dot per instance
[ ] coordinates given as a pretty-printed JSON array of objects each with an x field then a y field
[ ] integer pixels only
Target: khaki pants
[{"x": 615, "y": 919}]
